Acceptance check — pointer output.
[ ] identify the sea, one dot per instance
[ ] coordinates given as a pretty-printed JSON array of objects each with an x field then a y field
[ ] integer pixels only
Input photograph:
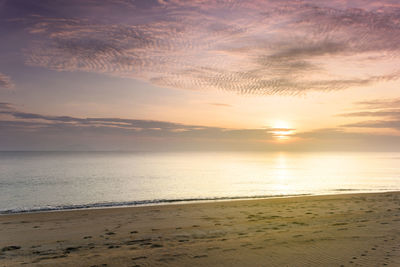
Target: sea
[{"x": 50, "y": 181}]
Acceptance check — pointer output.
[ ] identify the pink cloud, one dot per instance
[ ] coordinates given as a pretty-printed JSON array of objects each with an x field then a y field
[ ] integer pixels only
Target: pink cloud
[
  {"x": 5, "y": 81},
  {"x": 251, "y": 47}
]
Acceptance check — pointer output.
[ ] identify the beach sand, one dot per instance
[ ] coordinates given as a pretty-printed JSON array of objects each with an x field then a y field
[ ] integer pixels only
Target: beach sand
[{"x": 334, "y": 230}]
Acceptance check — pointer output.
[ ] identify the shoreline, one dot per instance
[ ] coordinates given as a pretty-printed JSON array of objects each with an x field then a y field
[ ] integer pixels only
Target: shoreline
[
  {"x": 359, "y": 229},
  {"x": 166, "y": 202}
]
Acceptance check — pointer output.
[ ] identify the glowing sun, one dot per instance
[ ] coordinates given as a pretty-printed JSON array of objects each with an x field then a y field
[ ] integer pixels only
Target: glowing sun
[{"x": 281, "y": 130}]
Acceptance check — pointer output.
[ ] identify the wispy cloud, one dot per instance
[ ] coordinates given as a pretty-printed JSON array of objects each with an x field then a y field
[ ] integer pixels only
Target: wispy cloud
[
  {"x": 5, "y": 81},
  {"x": 390, "y": 124},
  {"x": 17, "y": 120},
  {"x": 5, "y": 106},
  {"x": 387, "y": 110},
  {"x": 249, "y": 47},
  {"x": 220, "y": 105},
  {"x": 379, "y": 103},
  {"x": 379, "y": 113}
]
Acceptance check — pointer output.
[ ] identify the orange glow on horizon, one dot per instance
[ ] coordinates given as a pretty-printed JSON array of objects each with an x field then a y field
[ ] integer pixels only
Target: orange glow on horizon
[{"x": 282, "y": 130}]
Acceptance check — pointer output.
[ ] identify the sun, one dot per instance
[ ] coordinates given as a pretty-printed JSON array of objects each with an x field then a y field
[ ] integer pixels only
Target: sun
[
  {"x": 281, "y": 129},
  {"x": 279, "y": 124}
]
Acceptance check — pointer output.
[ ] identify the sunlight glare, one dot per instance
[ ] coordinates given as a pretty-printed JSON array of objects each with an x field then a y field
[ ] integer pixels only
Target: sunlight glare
[{"x": 281, "y": 129}]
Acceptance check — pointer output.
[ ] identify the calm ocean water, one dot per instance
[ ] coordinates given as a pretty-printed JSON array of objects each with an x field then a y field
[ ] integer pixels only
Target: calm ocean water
[{"x": 33, "y": 181}]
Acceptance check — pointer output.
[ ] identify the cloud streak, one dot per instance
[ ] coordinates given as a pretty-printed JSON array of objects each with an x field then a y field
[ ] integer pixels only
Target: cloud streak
[
  {"x": 247, "y": 47},
  {"x": 220, "y": 105},
  {"x": 389, "y": 124},
  {"x": 5, "y": 81},
  {"x": 387, "y": 110},
  {"x": 23, "y": 121},
  {"x": 380, "y": 103},
  {"x": 4, "y": 106},
  {"x": 381, "y": 113}
]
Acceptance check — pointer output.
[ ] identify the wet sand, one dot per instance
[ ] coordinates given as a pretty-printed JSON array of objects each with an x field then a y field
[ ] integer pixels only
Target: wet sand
[{"x": 335, "y": 230}]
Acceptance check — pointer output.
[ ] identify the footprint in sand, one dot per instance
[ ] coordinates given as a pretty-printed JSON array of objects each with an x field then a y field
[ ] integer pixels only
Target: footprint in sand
[
  {"x": 110, "y": 233},
  {"x": 139, "y": 258},
  {"x": 229, "y": 249},
  {"x": 200, "y": 256},
  {"x": 71, "y": 249},
  {"x": 10, "y": 248},
  {"x": 213, "y": 248}
]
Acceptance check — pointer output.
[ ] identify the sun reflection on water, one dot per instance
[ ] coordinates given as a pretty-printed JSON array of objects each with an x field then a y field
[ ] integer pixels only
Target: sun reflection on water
[{"x": 282, "y": 175}]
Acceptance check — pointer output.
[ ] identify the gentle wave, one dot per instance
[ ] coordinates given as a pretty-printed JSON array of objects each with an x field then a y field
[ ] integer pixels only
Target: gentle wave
[
  {"x": 165, "y": 201},
  {"x": 136, "y": 203}
]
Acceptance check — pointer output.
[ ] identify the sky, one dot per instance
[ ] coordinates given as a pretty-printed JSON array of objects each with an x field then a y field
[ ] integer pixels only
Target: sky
[{"x": 162, "y": 75}]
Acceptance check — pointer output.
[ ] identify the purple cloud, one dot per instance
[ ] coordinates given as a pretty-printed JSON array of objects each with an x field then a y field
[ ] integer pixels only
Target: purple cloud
[
  {"x": 5, "y": 82},
  {"x": 249, "y": 47},
  {"x": 24, "y": 121}
]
